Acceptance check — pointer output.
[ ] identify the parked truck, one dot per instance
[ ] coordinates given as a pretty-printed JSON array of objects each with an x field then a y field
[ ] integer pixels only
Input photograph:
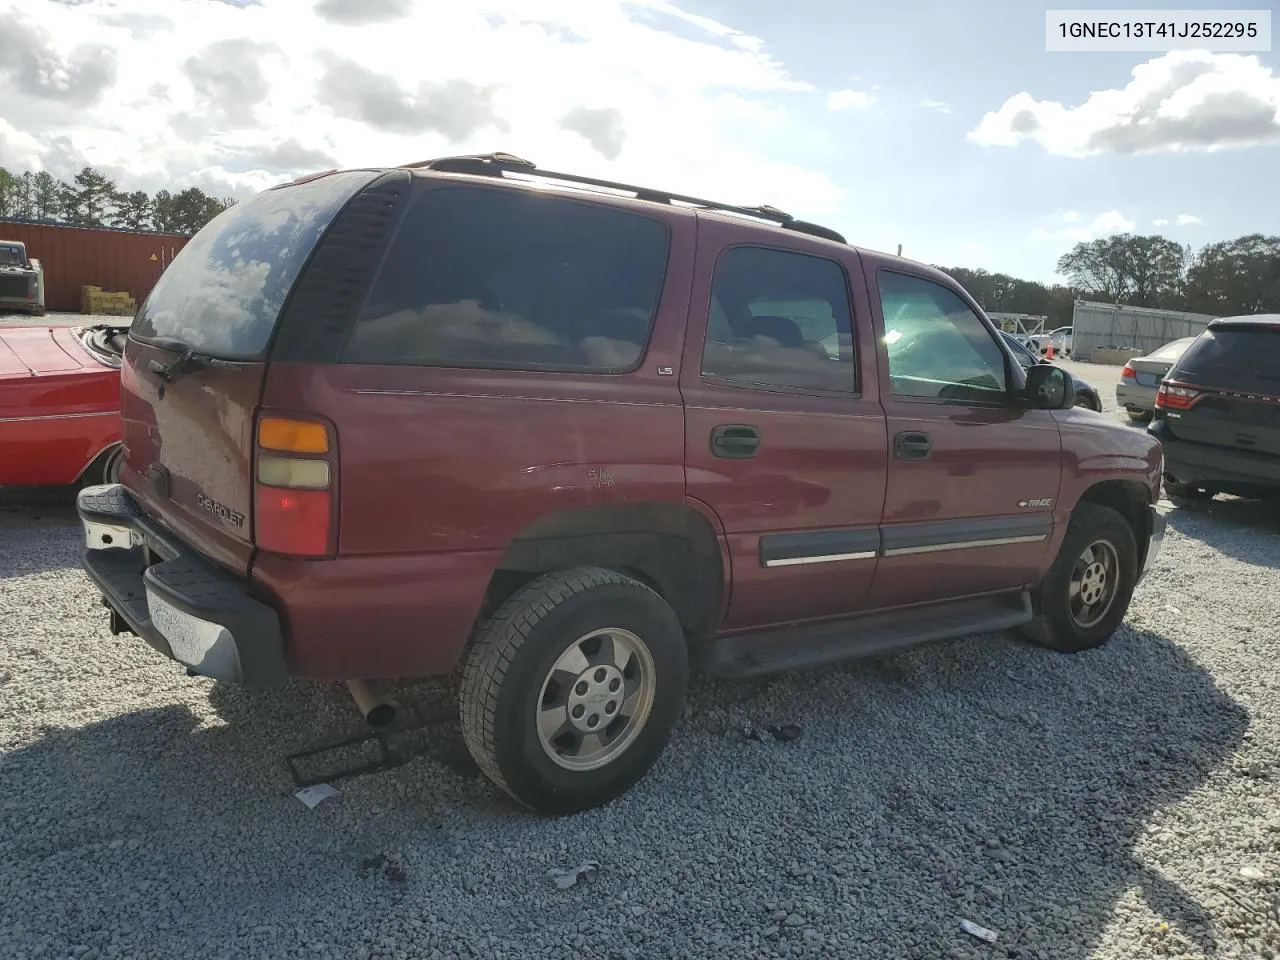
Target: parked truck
[{"x": 21, "y": 280}]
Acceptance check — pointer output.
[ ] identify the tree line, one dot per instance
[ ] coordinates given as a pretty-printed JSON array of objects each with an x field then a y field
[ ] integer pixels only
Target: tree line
[
  {"x": 1230, "y": 278},
  {"x": 93, "y": 199},
  {"x": 1240, "y": 276}
]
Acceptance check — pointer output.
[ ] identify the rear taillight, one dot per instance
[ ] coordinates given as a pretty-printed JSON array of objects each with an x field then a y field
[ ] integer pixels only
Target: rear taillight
[
  {"x": 1171, "y": 396},
  {"x": 293, "y": 494},
  {"x": 32, "y": 288},
  {"x": 1128, "y": 373}
]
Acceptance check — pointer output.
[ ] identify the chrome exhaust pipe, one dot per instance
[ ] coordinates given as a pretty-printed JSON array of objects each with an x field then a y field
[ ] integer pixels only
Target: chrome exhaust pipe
[{"x": 378, "y": 711}]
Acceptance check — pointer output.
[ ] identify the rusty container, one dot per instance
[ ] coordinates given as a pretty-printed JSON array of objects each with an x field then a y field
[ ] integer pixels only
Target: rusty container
[{"x": 119, "y": 261}]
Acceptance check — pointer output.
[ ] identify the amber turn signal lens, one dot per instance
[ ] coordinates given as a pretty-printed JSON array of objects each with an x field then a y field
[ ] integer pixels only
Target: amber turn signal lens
[{"x": 292, "y": 436}]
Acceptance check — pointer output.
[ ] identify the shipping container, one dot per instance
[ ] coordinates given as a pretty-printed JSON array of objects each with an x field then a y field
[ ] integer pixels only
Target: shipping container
[
  {"x": 119, "y": 261},
  {"x": 1103, "y": 326}
]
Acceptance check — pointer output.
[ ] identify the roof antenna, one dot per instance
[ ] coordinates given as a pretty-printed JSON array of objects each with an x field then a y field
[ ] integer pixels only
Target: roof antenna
[{"x": 899, "y": 249}]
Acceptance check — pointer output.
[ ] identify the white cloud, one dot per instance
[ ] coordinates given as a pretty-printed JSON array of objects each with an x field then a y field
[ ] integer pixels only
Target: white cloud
[
  {"x": 1071, "y": 230},
  {"x": 1186, "y": 219},
  {"x": 941, "y": 106},
  {"x": 1181, "y": 101},
  {"x": 1160, "y": 222},
  {"x": 234, "y": 98},
  {"x": 849, "y": 100}
]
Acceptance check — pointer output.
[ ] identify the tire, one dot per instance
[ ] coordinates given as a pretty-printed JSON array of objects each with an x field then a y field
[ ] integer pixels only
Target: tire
[
  {"x": 1086, "y": 401},
  {"x": 111, "y": 466},
  {"x": 1140, "y": 416},
  {"x": 1188, "y": 496},
  {"x": 508, "y": 677},
  {"x": 105, "y": 469},
  {"x": 1099, "y": 530}
]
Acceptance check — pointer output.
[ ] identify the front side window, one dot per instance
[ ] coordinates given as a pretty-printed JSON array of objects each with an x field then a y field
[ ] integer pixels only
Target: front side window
[
  {"x": 938, "y": 348},
  {"x": 780, "y": 319},
  {"x": 502, "y": 279},
  {"x": 1020, "y": 353}
]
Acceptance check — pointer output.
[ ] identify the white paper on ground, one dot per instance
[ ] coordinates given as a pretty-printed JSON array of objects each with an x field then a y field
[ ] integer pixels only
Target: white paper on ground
[
  {"x": 313, "y": 795},
  {"x": 982, "y": 933}
]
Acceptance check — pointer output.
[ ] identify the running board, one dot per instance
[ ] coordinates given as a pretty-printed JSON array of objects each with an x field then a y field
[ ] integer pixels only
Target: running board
[{"x": 814, "y": 645}]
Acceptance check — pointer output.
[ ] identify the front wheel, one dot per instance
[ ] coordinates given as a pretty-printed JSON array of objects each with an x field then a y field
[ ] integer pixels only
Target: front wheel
[
  {"x": 1086, "y": 595},
  {"x": 571, "y": 690}
]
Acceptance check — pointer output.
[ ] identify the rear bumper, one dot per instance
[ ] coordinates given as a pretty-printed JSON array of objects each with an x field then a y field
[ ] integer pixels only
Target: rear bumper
[
  {"x": 1205, "y": 465},
  {"x": 1133, "y": 396},
  {"x": 14, "y": 305},
  {"x": 178, "y": 602}
]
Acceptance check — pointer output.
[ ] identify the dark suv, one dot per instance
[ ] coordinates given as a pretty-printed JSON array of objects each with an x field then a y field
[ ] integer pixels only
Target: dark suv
[
  {"x": 576, "y": 436},
  {"x": 1218, "y": 412}
]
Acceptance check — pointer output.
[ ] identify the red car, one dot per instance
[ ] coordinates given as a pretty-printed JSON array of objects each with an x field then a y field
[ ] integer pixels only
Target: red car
[
  {"x": 60, "y": 404},
  {"x": 386, "y": 423}
]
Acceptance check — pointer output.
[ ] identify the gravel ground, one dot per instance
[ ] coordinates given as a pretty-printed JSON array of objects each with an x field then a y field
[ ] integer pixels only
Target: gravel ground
[{"x": 1117, "y": 804}]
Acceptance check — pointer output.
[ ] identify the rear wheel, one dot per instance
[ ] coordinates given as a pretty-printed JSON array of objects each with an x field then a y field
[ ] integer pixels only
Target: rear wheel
[
  {"x": 571, "y": 690},
  {"x": 105, "y": 469},
  {"x": 111, "y": 468},
  {"x": 1086, "y": 595}
]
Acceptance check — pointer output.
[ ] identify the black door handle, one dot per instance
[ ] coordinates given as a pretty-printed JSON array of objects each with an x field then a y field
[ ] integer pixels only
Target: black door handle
[
  {"x": 735, "y": 441},
  {"x": 911, "y": 446}
]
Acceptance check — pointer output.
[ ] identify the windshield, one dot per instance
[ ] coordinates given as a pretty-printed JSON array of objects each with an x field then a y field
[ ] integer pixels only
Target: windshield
[{"x": 223, "y": 292}]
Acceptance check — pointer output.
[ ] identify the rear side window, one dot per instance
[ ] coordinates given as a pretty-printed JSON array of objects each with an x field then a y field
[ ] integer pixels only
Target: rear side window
[
  {"x": 488, "y": 278},
  {"x": 780, "y": 319},
  {"x": 223, "y": 292},
  {"x": 1241, "y": 359}
]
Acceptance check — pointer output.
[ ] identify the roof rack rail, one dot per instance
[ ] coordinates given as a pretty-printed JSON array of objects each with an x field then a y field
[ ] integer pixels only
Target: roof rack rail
[{"x": 498, "y": 164}]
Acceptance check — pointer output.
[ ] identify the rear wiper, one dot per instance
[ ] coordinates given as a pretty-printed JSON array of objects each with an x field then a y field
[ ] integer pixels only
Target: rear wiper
[{"x": 188, "y": 361}]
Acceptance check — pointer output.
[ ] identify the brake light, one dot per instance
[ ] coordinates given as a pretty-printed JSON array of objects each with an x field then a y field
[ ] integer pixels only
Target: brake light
[
  {"x": 1170, "y": 396},
  {"x": 294, "y": 497},
  {"x": 32, "y": 286},
  {"x": 1128, "y": 373}
]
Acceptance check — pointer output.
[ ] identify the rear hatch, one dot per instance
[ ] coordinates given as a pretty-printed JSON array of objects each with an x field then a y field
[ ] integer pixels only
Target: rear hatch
[
  {"x": 1225, "y": 389},
  {"x": 196, "y": 359}
]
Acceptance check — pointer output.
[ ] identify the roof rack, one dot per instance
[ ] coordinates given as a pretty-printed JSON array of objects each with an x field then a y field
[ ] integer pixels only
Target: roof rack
[{"x": 498, "y": 164}]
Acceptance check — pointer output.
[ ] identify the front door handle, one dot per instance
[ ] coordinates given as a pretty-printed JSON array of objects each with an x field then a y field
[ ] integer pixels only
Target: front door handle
[
  {"x": 735, "y": 441},
  {"x": 911, "y": 446}
]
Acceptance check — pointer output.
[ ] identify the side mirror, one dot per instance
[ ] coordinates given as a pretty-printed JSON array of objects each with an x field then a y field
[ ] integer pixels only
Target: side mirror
[{"x": 1049, "y": 388}]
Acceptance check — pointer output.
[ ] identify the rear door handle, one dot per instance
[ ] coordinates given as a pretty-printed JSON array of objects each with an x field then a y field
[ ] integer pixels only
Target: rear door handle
[
  {"x": 911, "y": 446},
  {"x": 735, "y": 441}
]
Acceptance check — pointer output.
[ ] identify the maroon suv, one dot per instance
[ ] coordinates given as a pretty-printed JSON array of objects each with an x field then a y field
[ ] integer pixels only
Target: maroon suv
[{"x": 575, "y": 436}]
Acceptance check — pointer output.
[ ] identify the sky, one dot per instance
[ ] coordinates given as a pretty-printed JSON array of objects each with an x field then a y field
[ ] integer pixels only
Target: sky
[{"x": 941, "y": 126}]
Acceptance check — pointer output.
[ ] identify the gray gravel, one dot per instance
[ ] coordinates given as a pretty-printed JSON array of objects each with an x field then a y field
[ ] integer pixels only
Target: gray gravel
[{"x": 1122, "y": 803}]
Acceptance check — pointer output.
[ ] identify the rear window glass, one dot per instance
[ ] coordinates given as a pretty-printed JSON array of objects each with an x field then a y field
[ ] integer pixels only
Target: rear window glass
[
  {"x": 1236, "y": 359},
  {"x": 495, "y": 278},
  {"x": 1172, "y": 351},
  {"x": 223, "y": 292},
  {"x": 11, "y": 256}
]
